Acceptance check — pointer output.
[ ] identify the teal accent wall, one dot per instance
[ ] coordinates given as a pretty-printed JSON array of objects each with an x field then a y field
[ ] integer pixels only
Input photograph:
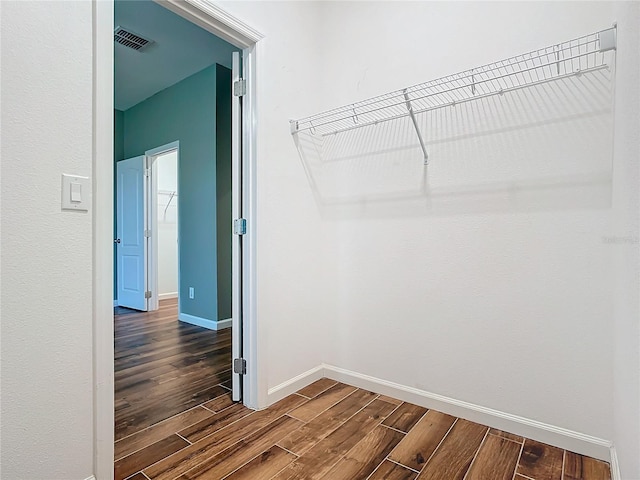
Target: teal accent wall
[
  {"x": 223, "y": 189},
  {"x": 118, "y": 135},
  {"x": 118, "y": 154},
  {"x": 186, "y": 112}
]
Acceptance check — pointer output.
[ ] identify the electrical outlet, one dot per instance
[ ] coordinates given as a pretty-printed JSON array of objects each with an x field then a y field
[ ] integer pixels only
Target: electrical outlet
[{"x": 191, "y": 292}]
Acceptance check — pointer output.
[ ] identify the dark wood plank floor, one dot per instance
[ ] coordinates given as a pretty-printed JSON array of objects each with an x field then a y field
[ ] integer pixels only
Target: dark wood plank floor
[
  {"x": 326, "y": 431},
  {"x": 164, "y": 367}
]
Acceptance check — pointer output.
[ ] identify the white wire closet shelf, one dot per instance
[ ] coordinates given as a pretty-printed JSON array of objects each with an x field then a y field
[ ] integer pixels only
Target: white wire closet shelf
[{"x": 570, "y": 58}]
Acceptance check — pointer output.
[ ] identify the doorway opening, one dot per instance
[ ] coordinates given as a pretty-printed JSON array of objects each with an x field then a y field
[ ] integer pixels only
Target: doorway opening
[
  {"x": 178, "y": 269},
  {"x": 213, "y": 20},
  {"x": 166, "y": 202},
  {"x": 146, "y": 227}
]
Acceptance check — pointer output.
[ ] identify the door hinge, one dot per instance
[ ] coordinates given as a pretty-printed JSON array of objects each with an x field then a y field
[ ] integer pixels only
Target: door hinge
[
  {"x": 147, "y": 294},
  {"x": 240, "y": 366},
  {"x": 147, "y": 172},
  {"x": 240, "y": 226},
  {"x": 147, "y": 234},
  {"x": 240, "y": 88}
]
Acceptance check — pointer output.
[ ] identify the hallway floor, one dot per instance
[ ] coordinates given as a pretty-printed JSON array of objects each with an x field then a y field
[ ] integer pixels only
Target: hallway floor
[
  {"x": 164, "y": 367},
  {"x": 172, "y": 424}
]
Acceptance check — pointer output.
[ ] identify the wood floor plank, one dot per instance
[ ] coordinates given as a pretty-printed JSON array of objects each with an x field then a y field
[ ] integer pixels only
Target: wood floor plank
[
  {"x": 497, "y": 459},
  {"x": 392, "y": 471},
  {"x": 212, "y": 424},
  {"x": 452, "y": 458},
  {"x": 421, "y": 441},
  {"x": 320, "y": 403},
  {"x": 540, "y": 461},
  {"x": 130, "y": 422},
  {"x": 147, "y": 456},
  {"x": 507, "y": 435},
  {"x": 391, "y": 400},
  {"x": 159, "y": 431},
  {"x": 138, "y": 476},
  {"x": 317, "y": 387},
  {"x": 578, "y": 467},
  {"x": 237, "y": 455},
  {"x": 318, "y": 460},
  {"x": 405, "y": 417},
  {"x": 308, "y": 435},
  {"x": 365, "y": 457},
  {"x": 220, "y": 403},
  {"x": 192, "y": 456},
  {"x": 164, "y": 367},
  {"x": 265, "y": 465}
]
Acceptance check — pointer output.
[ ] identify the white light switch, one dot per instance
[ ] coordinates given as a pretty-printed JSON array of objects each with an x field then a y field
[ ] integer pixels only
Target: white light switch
[{"x": 75, "y": 193}]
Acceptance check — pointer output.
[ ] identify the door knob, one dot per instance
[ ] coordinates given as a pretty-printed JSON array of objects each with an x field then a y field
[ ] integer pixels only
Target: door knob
[{"x": 117, "y": 240}]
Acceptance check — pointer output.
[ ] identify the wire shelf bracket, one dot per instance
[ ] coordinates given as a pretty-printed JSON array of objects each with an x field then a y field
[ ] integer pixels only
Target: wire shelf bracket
[{"x": 568, "y": 59}]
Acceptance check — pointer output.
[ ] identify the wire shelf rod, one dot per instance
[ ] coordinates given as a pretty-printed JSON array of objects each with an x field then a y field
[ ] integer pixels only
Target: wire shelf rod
[
  {"x": 522, "y": 58},
  {"x": 478, "y": 71},
  {"x": 450, "y": 78},
  {"x": 476, "y": 83},
  {"x": 435, "y": 94},
  {"x": 544, "y": 64},
  {"x": 469, "y": 99}
]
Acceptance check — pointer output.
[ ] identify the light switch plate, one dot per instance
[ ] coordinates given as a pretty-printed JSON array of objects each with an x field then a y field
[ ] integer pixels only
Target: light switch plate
[{"x": 75, "y": 193}]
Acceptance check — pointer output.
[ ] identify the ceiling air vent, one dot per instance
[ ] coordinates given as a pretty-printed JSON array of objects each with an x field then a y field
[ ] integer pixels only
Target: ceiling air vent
[{"x": 129, "y": 39}]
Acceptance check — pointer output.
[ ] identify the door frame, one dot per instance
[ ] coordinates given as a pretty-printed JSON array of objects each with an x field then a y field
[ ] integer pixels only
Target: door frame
[
  {"x": 152, "y": 215},
  {"x": 215, "y": 20}
]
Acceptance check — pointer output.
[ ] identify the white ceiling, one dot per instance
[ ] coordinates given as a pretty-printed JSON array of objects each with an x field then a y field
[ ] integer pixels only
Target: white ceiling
[{"x": 180, "y": 50}]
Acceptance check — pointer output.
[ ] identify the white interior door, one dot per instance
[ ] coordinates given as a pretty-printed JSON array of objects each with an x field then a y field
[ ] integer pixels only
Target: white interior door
[
  {"x": 236, "y": 206},
  {"x": 131, "y": 243}
]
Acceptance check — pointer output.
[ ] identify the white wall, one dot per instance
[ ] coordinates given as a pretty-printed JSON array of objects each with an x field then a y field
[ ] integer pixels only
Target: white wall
[
  {"x": 626, "y": 259},
  {"x": 167, "y": 166},
  {"x": 508, "y": 307},
  {"x": 47, "y": 379}
]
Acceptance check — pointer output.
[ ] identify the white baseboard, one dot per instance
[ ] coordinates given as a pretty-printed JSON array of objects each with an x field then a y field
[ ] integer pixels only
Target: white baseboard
[
  {"x": 164, "y": 296},
  {"x": 294, "y": 384},
  {"x": 222, "y": 324},
  {"x": 526, "y": 427},
  {"x": 615, "y": 466},
  {"x": 204, "y": 322}
]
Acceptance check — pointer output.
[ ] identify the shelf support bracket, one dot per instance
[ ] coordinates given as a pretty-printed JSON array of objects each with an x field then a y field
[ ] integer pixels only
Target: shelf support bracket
[{"x": 415, "y": 125}]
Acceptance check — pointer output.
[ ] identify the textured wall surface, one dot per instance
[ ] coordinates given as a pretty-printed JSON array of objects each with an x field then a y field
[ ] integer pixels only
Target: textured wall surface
[
  {"x": 47, "y": 385},
  {"x": 626, "y": 252}
]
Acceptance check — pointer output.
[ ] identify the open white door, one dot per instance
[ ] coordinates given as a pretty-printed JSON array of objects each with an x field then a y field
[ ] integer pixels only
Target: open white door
[
  {"x": 131, "y": 243},
  {"x": 239, "y": 364}
]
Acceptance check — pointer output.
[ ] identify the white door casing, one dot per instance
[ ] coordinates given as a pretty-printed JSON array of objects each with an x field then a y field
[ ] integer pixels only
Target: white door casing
[{"x": 131, "y": 244}]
